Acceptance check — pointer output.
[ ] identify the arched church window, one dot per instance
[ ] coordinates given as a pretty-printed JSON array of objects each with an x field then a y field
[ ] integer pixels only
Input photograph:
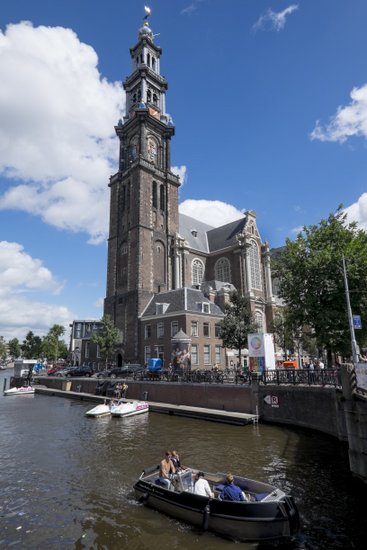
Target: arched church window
[
  {"x": 148, "y": 60},
  {"x": 259, "y": 320},
  {"x": 197, "y": 272},
  {"x": 222, "y": 270},
  {"x": 154, "y": 195},
  {"x": 162, "y": 201},
  {"x": 149, "y": 96},
  {"x": 255, "y": 266}
]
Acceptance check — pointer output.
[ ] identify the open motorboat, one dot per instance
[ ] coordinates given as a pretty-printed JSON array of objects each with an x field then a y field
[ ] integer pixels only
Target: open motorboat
[
  {"x": 104, "y": 409},
  {"x": 129, "y": 408},
  {"x": 19, "y": 391},
  {"x": 267, "y": 515}
]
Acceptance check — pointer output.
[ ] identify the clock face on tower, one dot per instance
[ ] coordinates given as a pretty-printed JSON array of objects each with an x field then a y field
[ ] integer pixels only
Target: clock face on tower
[{"x": 152, "y": 150}]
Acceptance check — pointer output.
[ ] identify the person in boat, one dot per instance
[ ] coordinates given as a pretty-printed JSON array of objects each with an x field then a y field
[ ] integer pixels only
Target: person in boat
[
  {"x": 202, "y": 486},
  {"x": 231, "y": 491},
  {"x": 175, "y": 459},
  {"x": 166, "y": 470}
]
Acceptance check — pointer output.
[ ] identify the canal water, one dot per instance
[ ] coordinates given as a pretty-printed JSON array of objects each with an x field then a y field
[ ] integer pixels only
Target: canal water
[{"x": 66, "y": 480}]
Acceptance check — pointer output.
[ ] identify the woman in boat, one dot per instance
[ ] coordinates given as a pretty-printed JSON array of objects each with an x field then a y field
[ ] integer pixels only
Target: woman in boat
[{"x": 175, "y": 459}]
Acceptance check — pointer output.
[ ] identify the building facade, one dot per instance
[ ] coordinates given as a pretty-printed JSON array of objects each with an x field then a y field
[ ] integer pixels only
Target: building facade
[{"x": 169, "y": 273}]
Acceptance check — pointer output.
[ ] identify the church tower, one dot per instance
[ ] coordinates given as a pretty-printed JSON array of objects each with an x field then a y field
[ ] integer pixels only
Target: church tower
[{"x": 144, "y": 198}]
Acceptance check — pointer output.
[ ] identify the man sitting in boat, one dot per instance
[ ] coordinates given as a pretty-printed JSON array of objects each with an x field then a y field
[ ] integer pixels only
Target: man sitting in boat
[
  {"x": 231, "y": 491},
  {"x": 166, "y": 469},
  {"x": 202, "y": 486}
]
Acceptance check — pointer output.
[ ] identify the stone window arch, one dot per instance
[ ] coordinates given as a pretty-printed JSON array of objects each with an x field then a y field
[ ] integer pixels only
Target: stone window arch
[
  {"x": 222, "y": 270},
  {"x": 197, "y": 272},
  {"x": 259, "y": 320},
  {"x": 255, "y": 271}
]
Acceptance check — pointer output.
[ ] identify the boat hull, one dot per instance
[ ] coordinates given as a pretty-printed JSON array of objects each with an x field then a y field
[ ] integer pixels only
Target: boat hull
[
  {"x": 129, "y": 409},
  {"x": 242, "y": 521},
  {"x": 19, "y": 391},
  {"x": 99, "y": 410}
]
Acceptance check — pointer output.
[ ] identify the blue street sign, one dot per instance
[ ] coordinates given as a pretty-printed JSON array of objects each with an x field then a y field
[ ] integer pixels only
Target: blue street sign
[{"x": 357, "y": 323}]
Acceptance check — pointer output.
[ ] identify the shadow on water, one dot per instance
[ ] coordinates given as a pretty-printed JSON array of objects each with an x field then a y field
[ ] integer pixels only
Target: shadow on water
[{"x": 66, "y": 480}]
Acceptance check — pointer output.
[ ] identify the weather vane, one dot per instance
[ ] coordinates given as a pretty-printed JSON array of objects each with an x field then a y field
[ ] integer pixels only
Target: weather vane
[{"x": 147, "y": 11}]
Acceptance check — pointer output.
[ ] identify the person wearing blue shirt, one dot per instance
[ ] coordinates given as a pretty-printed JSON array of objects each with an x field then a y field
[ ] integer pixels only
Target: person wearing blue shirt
[{"x": 231, "y": 491}]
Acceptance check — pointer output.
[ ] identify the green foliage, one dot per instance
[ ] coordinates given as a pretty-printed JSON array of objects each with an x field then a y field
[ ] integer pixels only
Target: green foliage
[
  {"x": 309, "y": 270},
  {"x": 237, "y": 323},
  {"x": 107, "y": 338},
  {"x": 52, "y": 346},
  {"x": 3, "y": 349},
  {"x": 14, "y": 348},
  {"x": 31, "y": 347}
]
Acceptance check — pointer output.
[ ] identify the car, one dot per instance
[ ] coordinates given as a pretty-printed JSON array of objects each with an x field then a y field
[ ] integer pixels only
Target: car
[
  {"x": 64, "y": 372},
  {"x": 102, "y": 373},
  {"x": 126, "y": 370},
  {"x": 80, "y": 371}
]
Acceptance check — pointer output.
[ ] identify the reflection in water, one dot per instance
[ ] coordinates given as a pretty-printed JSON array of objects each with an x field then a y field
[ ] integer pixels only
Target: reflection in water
[{"x": 66, "y": 480}]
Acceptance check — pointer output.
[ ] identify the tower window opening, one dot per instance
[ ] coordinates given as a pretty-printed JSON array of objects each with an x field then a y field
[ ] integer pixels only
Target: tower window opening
[
  {"x": 154, "y": 195},
  {"x": 139, "y": 95},
  {"x": 162, "y": 198},
  {"x": 141, "y": 58},
  {"x": 149, "y": 96},
  {"x": 153, "y": 63},
  {"x": 148, "y": 60},
  {"x": 155, "y": 99}
]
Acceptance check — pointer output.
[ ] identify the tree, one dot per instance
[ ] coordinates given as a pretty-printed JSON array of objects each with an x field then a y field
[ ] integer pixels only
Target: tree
[
  {"x": 107, "y": 338},
  {"x": 237, "y": 323},
  {"x": 32, "y": 346},
  {"x": 309, "y": 271},
  {"x": 52, "y": 345},
  {"x": 14, "y": 348},
  {"x": 3, "y": 350}
]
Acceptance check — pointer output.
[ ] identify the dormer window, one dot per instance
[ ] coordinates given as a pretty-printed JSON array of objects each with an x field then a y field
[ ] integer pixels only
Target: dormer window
[
  {"x": 203, "y": 307},
  {"x": 160, "y": 309}
]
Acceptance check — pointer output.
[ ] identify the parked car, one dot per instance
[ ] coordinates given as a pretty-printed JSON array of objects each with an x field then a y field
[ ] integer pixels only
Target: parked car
[
  {"x": 80, "y": 371},
  {"x": 64, "y": 372},
  {"x": 126, "y": 370},
  {"x": 102, "y": 373}
]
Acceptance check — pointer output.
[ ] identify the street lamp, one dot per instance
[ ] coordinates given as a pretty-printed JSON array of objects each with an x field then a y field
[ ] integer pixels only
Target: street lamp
[{"x": 355, "y": 350}]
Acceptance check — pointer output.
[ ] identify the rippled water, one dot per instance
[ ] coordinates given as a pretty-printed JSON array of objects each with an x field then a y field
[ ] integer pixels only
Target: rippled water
[{"x": 66, "y": 480}]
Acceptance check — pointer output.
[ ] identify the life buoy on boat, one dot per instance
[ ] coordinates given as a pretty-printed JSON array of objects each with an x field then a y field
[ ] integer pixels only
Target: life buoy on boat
[{"x": 206, "y": 517}]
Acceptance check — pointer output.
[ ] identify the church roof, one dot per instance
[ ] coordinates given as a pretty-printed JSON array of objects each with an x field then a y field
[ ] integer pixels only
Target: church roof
[
  {"x": 185, "y": 300},
  {"x": 205, "y": 238}
]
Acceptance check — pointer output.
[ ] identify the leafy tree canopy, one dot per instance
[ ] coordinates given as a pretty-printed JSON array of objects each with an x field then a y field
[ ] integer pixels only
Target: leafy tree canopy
[
  {"x": 31, "y": 347},
  {"x": 237, "y": 323},
  {"x": 310, "y": 274},
  {"x": 3, "y": 349},
  {"x": 107, "y": 338},
  {"x": 14, "y": 348},
  {"x": 52, "y": 346}
]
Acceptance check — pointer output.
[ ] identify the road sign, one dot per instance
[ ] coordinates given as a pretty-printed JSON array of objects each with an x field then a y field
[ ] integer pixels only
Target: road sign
[{"x": 357, "y": 323}]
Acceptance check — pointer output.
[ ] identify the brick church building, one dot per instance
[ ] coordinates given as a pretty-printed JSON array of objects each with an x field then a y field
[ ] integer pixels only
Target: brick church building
[{"x": 170, "y": 275}]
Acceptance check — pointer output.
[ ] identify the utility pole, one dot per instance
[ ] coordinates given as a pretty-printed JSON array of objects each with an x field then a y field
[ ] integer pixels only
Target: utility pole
[{"x": 355, "y": 350}]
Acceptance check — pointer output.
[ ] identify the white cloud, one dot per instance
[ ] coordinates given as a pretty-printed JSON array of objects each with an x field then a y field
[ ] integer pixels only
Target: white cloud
[
  {"x": 357, "y": 212},
  {"x": 274, "y": 20},
  {"x": 56, "y": 128},
  {"x": 180, "y": 171},
  {"x": 20, "y": 274},
  {"x": 214, "y": 213},
  {"x": 348, "y": 121}
]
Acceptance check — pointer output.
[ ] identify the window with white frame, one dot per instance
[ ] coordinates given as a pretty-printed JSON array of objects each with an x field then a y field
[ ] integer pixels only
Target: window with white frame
[
  {"x": 194, "y": 328},
  {"x": 197, "y": 272},
  {"x": 160, "y": 330},
  {"x": 194, "y": 354},
  {"x": 174, "y": 328},
  {"x": 147, "y": 353},
  {"x": 254, "y": 266},
  {"x": 222, "y": 270},
  {"x": 147, "y": 331},
  {"x": 207, "y": 355},
  {"x": 217, "y": 330},
  {"x": 206, "y": 330},
  {"x": 218, "y": 355}
]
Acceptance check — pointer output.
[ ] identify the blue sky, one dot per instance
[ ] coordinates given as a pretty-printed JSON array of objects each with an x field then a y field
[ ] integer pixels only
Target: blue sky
[{"x": 269, "y": 100}]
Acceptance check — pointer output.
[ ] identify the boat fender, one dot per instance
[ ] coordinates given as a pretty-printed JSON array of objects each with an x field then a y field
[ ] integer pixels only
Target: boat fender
[
  {"x": 206, "y": 517},
  {"x": 144, "y": 497}
]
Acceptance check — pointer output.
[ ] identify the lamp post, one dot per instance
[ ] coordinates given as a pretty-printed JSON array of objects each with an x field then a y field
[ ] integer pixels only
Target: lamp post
[{"x": 355, "y": 350}]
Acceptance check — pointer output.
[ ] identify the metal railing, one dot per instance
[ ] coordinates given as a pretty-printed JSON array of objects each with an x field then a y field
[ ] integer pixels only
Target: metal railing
[{"x": 305, "y": 377}]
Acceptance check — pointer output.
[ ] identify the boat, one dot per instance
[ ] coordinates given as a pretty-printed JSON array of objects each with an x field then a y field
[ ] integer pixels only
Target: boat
[
  {"x": 19, "y": 391},
  {"x": 129, "y": 408},
  {"x": 269, "y": 515},
  {"x": 103, "y": 409}
]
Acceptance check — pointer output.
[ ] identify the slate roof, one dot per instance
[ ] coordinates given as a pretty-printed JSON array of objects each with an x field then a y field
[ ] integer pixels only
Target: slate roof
[
  {"x": 205, "y": 238},
  {"x": 182, "y": 299}
]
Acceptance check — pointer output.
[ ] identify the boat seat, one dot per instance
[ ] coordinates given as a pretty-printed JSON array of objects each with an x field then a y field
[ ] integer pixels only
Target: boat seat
[
  {"x": 160, "y": 483},
  {"x": 260, "y": 496}
]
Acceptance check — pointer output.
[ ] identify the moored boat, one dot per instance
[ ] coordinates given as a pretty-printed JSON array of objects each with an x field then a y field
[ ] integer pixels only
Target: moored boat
[
  {"x": 129, "y": 408},
  {"x": 19, "y": 391},
  {"x": 267, "y": 515},
  {"x": 103, "y": 409}
]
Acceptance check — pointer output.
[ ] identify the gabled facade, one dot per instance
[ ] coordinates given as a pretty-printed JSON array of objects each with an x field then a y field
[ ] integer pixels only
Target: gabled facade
[{"x": 162, "y": 264}]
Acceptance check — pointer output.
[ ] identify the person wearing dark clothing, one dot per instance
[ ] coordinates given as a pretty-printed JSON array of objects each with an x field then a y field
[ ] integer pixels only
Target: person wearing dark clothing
[
  {"x": 231, "y": 491},
  {"x": 176, "y": 460}
]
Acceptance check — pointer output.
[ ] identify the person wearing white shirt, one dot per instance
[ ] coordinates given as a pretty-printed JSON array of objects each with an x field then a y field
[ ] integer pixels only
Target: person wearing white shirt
[{"x": 202, "y": 486}]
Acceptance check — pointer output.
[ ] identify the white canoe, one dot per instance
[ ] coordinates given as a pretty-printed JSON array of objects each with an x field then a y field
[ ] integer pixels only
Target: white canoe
[
  {"x": 19, "y": 391},
  {"x": 130, "y": 408},
  {"x": 99, "y": 410}
]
